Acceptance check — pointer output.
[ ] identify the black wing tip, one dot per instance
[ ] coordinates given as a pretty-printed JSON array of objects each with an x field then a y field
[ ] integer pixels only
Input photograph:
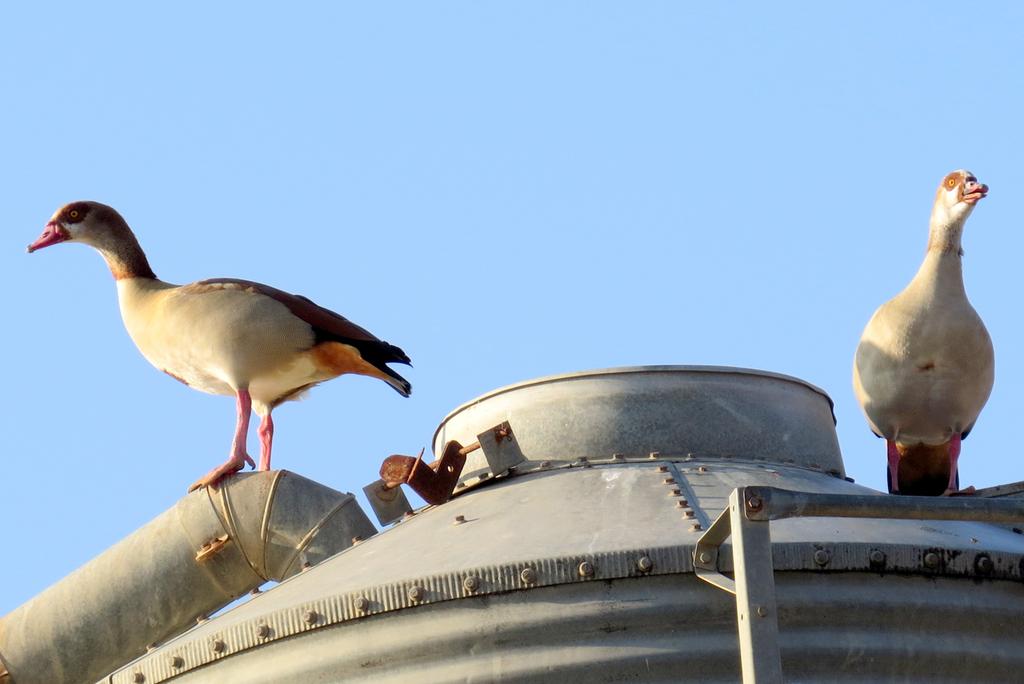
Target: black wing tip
[
  {"x": 398, "y": 356},
  {"x": 397, "y": 382},
  {"x": 401, "y": 385}
]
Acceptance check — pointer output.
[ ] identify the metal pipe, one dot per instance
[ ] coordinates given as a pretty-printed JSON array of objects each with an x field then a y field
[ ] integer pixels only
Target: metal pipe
[
  {"x": 207, "y": 550},
  {"x": 771, "y": 503}
]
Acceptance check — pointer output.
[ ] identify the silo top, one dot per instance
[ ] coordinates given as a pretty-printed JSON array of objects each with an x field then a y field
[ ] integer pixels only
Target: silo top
[{"x": 705, "y": 411}]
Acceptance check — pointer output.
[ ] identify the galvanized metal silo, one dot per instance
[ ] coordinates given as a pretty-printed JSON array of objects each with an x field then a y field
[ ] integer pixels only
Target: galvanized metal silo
[
  {"x": 578, "y": 563},
  {"x": 649, "y": 524}
]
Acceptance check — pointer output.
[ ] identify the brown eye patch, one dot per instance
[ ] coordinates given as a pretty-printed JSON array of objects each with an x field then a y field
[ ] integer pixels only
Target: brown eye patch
[
  {"x": 951, "y": 180},
  {"x": 73, "y": 213}
]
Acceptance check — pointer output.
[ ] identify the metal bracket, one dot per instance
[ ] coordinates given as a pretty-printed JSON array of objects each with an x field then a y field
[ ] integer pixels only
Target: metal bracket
[
  {"x": 211, "y": 548},
  {"x": 705, "y": 553},
  {"x": 388, "y": 503},
  {"x": 500, "y": 448},
  {"x": 754, "y": 584},
  {"x": 435, "y": 482}
]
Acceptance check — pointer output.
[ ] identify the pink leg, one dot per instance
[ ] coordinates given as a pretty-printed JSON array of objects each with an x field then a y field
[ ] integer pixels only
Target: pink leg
[
  {"x": 238, "y": 457},
  {"x": 954, "y": 458},
  {"x": 266, "y": 433},
  {"x": 893, "y": 454}
]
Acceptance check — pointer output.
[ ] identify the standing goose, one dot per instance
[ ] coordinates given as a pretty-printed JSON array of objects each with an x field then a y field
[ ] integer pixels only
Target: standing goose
[
  {"x": 226, "y": 336},
  {"x": 924, "y": 367}
]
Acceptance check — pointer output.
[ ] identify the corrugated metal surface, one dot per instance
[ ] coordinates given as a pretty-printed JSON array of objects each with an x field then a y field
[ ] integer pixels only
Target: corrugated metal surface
[
  {"x": 612, "y": 516},
  {"x": 663, "y": 629}
]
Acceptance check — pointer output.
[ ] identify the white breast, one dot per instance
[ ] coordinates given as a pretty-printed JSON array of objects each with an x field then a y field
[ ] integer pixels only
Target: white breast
[
  {"x": 924, "y": 367},
  {"x": 218, "y": 340}
]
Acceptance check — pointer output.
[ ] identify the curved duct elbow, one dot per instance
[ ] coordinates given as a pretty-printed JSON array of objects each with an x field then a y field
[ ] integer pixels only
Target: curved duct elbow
[{"x": 207, "y": 550}]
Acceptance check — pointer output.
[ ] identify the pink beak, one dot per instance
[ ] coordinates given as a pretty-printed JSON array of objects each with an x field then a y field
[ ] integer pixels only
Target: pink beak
[{"x": 52, "y": 234}]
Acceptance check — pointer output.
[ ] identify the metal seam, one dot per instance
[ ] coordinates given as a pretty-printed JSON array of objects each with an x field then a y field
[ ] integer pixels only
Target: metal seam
[
  {"x": 268, "y": 510},
  {"x": 228, "y": 516},
  {"x": 691, "y": 497},
  {"x": 313, "y": 531}
]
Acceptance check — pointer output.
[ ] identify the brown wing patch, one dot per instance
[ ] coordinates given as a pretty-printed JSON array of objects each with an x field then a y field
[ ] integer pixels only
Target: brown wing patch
[
  {"x": 205, "y": 286},
  {"x": 337, "y": 358},
  {"x": 317, "y": 316}
]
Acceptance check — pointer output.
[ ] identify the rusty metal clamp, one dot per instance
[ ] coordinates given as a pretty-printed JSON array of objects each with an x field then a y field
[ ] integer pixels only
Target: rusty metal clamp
[{"x": 435, "y": 481}]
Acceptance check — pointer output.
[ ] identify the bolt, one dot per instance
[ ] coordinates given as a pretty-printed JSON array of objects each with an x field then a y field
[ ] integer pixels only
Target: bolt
[
  {"x": 876, "y": 557},
  {"x": 310, "y": 617},
  {"x": 688, "y": 514},
  {"x": 200, "y": 619},
  {"x": 617, "y": 457},
  {"x": 459, "y": 519},
  {"x": 704, "y": 557},
  {"x": 681, "y": 503},
  {"x": 416, "y": 593},
  {"x": 150, "y": 648},
  {"x": 362, "y": 604},
  {"x": 356, "y": 539},
  {"x": 263, "y": 631},
  {"x": 754, "y": 502},
  {"x": 471, "y": 583},
  {"x": 177, "y": 662},
  {"x": 702, "y": 469},
  {"x": 138, "y": 678},
  {"x": 586, "y": 569},
  {"x": 218, "y": 646},
  {"x": 583, "y": 459},
  {"x": 931, "y": 560},
  {"x": 528, "y": 575},
  {"x": 762, "y": 611},
  {"x": 663, "y": 469},
  {"x": 695, "y": 527},
  {"x": 545, "y": 464},
  {"x": 306, "y": 565},
  {"x": 654, "y": 454},
  {"x": 482, "y": 476},
  {"x": 675, "y": 492},
  {"x": 644, "y": 564},
  {"x": 256, "y": 592},
  {"x": 669, "y": 480},
  {"x": 983, "y": 564},
  {"x": 460, "y": 485},
  {"x": 822, "y": 557}
]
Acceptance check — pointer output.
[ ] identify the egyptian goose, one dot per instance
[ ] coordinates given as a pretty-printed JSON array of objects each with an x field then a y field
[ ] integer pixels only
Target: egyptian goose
[
  {"x": 924, "y": 366},
  {"x": 226, "y": 336}
]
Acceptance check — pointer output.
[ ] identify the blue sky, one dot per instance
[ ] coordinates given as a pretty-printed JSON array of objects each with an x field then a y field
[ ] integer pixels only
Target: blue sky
[{"x": 506, "y": 190}]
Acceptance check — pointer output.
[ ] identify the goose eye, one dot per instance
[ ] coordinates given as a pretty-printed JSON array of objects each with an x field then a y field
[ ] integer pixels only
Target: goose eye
[
  {"x": 951, "y": 182},
  {"x": 73, "y": 213}
]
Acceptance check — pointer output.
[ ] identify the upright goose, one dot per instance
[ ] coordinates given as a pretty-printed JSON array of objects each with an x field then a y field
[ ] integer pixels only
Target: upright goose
[
  {"x": 226, "y": 336},
  {"x": 924, "y": 367}
]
